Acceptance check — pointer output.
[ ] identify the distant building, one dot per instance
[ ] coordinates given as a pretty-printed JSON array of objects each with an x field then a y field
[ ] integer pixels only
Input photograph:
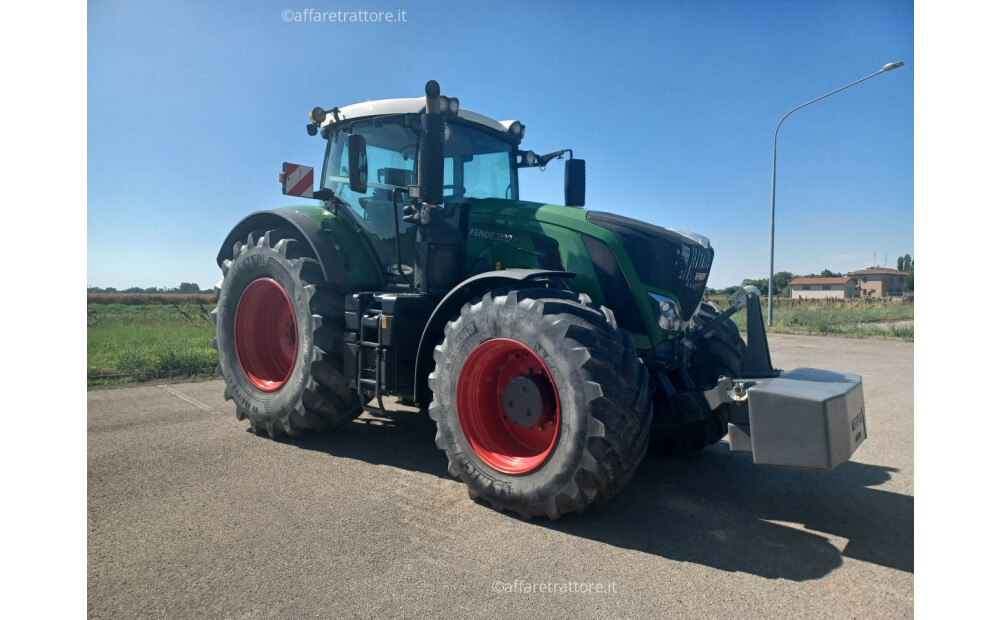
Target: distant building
[
  {"x": 880, "y": 282},
  {"x": 823, "y": 288}
]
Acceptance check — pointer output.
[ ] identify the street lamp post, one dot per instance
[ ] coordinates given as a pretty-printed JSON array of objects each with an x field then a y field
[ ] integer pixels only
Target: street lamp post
[{"x": 774, "y": 164}]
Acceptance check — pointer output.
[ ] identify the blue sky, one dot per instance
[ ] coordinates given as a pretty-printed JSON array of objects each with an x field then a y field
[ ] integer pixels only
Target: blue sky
[{"x": 192, "y": 107}]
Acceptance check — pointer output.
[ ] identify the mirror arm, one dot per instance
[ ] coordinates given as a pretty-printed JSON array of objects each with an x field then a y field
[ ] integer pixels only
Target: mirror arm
[{"x": 545, "y": 159}]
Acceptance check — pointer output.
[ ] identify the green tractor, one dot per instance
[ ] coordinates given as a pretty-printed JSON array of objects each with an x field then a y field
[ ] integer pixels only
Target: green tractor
[{"x": 552, "y": 345}]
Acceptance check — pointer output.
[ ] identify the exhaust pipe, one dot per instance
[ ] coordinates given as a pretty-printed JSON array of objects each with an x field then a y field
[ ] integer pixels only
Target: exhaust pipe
[
  {"x": 440, "y": 246},
  {"x": 430, "y": 169}
]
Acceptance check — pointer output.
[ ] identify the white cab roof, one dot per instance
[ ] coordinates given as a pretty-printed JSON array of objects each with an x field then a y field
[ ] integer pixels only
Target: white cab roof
[{"x": 415, "y": 105}]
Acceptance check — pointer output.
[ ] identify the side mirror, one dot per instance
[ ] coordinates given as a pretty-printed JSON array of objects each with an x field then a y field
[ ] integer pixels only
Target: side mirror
[
  {"x": 576, "y": 182},
  {"x": 296, "y": 180},
  {"x": 357, "y": 162}
]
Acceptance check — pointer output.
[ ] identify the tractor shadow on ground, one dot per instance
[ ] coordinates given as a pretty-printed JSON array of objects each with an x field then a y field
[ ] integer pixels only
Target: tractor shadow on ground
[
  {"x": 712, "y": 508},
  {"x": 718, "y": 509},
  {"x": 401, "y": 438}
]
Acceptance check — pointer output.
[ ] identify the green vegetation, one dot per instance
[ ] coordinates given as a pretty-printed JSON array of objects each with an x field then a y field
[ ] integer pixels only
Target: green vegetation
[
  {"x": 905, "y": 263},
  {"x": 142, "y": 299},
  {"x": 140, "y": 342},
  {"x": 188, "y": 288},
  {"x": 783, "y": 278},
  {"x": 147, "y": 337},
  {"x": 858, "y": 317}
]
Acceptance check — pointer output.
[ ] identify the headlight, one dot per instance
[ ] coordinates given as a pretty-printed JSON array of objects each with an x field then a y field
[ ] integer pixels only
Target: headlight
[
  {"x": 516, "y": 129},
  {"x": 668, "y": 315}
]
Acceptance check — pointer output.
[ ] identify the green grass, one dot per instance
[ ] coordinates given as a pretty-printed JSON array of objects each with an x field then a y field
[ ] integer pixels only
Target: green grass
[
  {"x": 848, "y": 317},
  {"x": 135, "y": 343},
  {"x": 127, "y": 343}
]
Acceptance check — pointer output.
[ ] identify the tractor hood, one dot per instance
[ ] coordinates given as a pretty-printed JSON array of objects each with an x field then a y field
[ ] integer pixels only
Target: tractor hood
[
  {"x": 620, "y": 262},
  {"x": 671, "y": 260}
]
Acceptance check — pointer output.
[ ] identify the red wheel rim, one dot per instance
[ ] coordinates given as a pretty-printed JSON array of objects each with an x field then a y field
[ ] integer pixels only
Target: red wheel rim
[
  {"x": 266, "y": 334},
  {"x": 496, "y": 439}
]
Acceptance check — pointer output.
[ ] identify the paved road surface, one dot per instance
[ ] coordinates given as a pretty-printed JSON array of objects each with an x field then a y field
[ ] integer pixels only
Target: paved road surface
[{"x": 190, "y": 515}]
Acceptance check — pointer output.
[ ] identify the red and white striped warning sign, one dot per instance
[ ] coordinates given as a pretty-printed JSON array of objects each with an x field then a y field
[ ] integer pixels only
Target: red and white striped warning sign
[{"x": 297, "y": 180}]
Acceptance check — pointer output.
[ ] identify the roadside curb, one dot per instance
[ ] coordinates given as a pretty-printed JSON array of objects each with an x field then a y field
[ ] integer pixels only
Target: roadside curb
[
  {"x": 836, "y": 335},
  {"x": 154, "y": 382}
]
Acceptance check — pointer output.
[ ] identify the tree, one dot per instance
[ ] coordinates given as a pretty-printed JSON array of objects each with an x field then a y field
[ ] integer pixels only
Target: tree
[
  {"x": 189, "y": 287},
  {"x": 781, "y": 280},
  {"x": 826, "y": 273},
  {"x": 760, "y": 284},
  {"x": 905, "y": 263}
]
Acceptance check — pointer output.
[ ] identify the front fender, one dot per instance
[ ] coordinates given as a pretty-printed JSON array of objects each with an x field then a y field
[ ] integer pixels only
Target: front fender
[{"x": 451, "y": 303}]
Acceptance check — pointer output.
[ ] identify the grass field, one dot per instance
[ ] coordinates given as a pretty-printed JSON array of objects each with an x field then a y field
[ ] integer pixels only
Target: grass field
[
  {"x": 142, "y": 299},
  {"x": 845, "y": 317},
  {"x": 139, "y": 339},
  {"x": 128, "y": 343}
]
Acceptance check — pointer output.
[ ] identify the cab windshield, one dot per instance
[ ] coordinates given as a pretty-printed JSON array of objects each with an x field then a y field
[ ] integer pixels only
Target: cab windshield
[{"x": 476, "y": 165}]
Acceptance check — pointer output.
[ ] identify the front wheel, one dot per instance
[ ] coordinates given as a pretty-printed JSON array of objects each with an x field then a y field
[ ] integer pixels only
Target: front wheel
[{"x": 541, "y": 403}]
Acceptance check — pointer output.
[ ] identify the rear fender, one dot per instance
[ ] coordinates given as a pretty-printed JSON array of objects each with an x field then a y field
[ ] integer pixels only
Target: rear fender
[{"x": 308, "y": 230}]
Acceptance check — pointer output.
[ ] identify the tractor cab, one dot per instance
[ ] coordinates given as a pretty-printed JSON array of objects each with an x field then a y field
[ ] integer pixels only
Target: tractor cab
[
  {"x": 373, "y": 161},
  {"x": 479, "y": 162}
]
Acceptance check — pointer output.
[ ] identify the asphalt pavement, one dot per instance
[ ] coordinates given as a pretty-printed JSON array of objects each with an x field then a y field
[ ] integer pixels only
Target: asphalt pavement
[{"x": 192, "y": 516}]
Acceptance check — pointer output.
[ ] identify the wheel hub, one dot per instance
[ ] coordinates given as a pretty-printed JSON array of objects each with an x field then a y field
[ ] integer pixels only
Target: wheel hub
[{"x": 524, "y": 401}]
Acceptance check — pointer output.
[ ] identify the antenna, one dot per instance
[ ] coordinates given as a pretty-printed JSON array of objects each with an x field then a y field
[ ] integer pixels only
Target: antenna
[{"x": 875, "y": 258}]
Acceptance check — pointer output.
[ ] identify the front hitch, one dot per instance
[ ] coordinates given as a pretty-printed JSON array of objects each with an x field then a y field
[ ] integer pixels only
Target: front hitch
[
  {"x": 807, "y": 418},
  {"x": 757, "y": 361}
]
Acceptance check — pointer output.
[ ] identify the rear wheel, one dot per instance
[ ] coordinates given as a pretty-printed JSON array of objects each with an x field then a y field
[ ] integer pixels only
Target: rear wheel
[
  {"x": 279, "y": 332},
  {"x": 541, "y": 403},
  {"x": 684, "y": 422}
]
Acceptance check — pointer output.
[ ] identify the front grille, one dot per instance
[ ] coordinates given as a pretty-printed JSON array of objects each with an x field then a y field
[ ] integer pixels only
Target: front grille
[{"x": 663, "y": 258}]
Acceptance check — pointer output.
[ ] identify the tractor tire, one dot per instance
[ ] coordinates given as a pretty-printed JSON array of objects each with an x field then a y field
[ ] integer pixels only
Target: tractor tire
[
  {"x": 279, "y": 334},
  {"x": 719, "y": 353},
  {"x": 684, "y": 422},
  {"x": 541, "y": 403}
]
